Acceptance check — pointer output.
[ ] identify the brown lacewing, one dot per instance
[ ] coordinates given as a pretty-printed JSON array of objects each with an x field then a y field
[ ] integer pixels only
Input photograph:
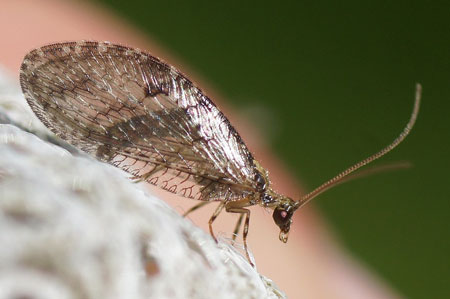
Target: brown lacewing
[{"x": 130, "y": 109}]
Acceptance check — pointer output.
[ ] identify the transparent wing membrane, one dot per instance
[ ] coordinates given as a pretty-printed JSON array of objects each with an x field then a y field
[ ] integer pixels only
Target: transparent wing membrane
[{"x": 130, "y": 109}]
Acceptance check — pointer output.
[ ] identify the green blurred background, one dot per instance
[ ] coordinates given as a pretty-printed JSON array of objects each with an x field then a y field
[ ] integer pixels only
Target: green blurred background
[{"x": 336, "y": 83}]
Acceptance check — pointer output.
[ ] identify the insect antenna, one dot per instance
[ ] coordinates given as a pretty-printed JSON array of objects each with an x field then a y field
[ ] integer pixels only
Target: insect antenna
[{"x": 343, "y": 176}]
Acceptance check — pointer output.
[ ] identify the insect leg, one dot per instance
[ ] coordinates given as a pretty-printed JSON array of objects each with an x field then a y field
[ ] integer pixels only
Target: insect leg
[
  {"x": 197, "y": 206},
  {"x": 213, "y": 217},
  {"x": 243, "y": 211},
  {"x": 238, "y": 226}
]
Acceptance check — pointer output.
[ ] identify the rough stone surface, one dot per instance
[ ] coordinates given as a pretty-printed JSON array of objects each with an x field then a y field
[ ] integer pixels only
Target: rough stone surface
[{"x": 72, "y": 227}]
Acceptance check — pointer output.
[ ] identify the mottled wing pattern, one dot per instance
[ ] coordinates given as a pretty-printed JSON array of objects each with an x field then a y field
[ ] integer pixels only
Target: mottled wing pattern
[{"x": 128, "y": 108}]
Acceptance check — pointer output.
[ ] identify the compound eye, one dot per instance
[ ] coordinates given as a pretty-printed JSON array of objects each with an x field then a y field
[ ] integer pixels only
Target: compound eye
[{"x": 282, "y": 218}]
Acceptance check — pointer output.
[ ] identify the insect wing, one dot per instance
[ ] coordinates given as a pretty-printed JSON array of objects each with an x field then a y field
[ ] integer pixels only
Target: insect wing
[{"x": 130, "y": 109}]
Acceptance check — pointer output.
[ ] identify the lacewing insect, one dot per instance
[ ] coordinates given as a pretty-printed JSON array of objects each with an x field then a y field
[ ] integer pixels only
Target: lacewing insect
[{"x": 130, "y": 109}]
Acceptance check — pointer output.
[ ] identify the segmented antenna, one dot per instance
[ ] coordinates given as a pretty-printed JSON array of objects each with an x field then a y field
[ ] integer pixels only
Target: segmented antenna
[{"x": 339, "y": 178}]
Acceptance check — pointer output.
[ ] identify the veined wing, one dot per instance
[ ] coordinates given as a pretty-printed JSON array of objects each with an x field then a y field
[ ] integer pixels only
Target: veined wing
[{"x": 128, "y": 108}]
